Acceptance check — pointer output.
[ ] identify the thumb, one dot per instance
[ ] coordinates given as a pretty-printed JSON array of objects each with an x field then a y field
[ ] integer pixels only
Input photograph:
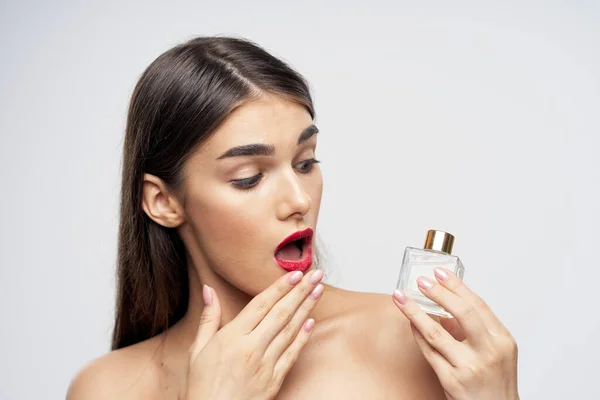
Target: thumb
[{"x": 210, "y": 319}]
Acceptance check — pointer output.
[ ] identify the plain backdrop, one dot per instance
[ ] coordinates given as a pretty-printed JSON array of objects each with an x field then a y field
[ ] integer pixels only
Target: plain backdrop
[{"x": 482, "y": 119}]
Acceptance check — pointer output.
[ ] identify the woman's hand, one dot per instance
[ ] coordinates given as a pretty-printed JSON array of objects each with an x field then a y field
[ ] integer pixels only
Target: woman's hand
[
  {"x": 250, "y": 356},
  {"x": 473, "y": 355}
]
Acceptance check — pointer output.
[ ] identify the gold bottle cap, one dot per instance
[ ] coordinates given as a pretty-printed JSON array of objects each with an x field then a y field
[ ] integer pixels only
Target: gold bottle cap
[{"x": 439, "y": 240}]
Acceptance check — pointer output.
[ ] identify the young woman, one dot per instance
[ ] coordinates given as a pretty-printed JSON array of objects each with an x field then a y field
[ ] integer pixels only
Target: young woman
[{"x": 219, "y": 293}]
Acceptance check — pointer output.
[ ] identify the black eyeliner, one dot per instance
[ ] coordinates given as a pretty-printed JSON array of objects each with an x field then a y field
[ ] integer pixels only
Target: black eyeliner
[{"x": 247, "y": 183}]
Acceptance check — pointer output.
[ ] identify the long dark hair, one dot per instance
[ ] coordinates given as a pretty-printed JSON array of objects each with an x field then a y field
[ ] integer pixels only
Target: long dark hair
[{"x": 177, "y": 103}]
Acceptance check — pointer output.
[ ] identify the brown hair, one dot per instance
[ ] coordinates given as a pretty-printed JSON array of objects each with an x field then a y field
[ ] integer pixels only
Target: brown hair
[{"x": 178, "y": 101}]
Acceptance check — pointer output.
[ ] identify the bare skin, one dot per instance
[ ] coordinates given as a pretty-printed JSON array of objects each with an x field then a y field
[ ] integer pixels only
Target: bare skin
[{"x": 361, "y": 346}]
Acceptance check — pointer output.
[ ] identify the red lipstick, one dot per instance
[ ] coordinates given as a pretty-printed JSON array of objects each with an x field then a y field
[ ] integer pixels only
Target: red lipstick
[{"x": 294, "y": 253}]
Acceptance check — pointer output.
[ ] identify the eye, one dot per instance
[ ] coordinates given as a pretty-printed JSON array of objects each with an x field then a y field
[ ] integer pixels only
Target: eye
[
  {"x": 307, "y": 165},
  {"x": 247, "y": 183}
]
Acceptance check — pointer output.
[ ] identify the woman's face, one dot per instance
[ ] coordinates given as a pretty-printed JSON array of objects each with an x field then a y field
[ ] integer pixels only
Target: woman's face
[{"x": 242, "y": 202}]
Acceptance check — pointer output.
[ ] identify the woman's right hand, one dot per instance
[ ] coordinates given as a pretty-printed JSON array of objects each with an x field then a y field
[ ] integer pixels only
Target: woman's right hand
[{"x": 249, "y": 357}]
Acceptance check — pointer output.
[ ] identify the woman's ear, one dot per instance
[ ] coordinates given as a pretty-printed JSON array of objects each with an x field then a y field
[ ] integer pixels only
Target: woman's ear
[{"x": 160, "y": 204}]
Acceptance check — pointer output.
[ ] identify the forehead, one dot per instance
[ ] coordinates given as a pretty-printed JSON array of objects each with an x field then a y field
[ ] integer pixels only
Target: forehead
[{"x": 269, "y": 119}]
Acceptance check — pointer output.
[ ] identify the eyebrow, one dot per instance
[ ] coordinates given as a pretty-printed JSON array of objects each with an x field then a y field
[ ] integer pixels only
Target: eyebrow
[{"x": 260, "y": 149}]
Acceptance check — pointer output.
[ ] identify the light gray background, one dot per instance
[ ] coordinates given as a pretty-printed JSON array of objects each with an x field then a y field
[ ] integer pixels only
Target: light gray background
[{"x": 477, "y": 118}]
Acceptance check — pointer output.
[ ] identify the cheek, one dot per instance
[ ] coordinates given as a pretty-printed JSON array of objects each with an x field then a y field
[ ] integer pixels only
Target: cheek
[
  {"x": 227, "y": 222},
  {"x": 221, "y": 224},
  {"x": 231, "y": 233}
]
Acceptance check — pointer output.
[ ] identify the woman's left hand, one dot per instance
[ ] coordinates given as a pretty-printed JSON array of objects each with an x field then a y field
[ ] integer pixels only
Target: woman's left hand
[{"x": 473, "y": 354}]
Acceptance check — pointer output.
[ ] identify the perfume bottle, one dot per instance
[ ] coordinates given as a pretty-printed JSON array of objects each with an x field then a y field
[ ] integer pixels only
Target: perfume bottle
[{"x": 421, "y": 262}]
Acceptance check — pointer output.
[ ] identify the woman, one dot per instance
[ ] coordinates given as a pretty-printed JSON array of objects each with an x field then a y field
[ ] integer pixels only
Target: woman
[{"x": 220, "y": 198}]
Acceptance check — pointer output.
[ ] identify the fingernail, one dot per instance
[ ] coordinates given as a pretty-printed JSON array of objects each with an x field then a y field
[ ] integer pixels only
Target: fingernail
[
  {"x": 441, "y": 273},
  {"x": 316, "y": 276},
  {"x": 316, "y": 293},
  {"x": 308, "y": 325},
  {"x": 295, "y": 277},
  {"x": 207, "y": 295},
  {"x": 400, "y": 296},
  {"x": 425, "y": 283}
]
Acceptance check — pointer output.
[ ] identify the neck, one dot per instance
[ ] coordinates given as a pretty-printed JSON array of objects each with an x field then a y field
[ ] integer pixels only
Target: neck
[{"x": 232, "y": 300}]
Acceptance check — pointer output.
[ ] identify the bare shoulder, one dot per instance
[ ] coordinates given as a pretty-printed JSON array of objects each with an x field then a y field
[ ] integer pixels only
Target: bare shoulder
[
  {"x": 120, "y": 374},
  {"x": 384, "y": 337},
  {"x": 379, "y": 324}
]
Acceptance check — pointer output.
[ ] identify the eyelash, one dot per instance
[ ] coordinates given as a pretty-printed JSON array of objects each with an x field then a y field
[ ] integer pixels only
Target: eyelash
[{"x": 249, "y": 183}]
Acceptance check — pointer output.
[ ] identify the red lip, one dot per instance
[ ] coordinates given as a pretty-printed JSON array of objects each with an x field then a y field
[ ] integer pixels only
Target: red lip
[{"x": 303, "y": 264}]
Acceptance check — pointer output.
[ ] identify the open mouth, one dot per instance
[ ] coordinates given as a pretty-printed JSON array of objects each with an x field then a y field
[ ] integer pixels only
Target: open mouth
[{"x": 294, "y": 253}]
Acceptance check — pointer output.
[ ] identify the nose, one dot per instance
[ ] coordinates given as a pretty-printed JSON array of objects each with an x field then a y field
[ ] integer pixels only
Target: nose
[{"x": 294, "y": 201}]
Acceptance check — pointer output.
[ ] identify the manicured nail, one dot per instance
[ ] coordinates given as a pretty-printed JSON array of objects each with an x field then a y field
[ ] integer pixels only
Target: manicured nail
[
  {"x": 316, "y": 276},
  {"x": 400, "y": 296},
  {"x": 207, "y": 295},
  {"x": 308, "y": 325},
  {"x": 317, "y": 292},
  {"x": 295, "y": 277},
  {"x": 441, "y": 273},
  {"x": 425, "y": 283}
]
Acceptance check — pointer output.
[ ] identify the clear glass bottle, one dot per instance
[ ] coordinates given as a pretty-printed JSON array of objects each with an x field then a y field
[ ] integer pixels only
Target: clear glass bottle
[{"x": 421, "y": 262}]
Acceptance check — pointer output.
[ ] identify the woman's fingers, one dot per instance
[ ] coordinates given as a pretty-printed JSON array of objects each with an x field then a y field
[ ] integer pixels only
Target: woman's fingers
[
  {"x": 465, "y": 369},
  {"x": 289, "y": 332},
  {"x": 465, "y": 313},
  {"x": 256, "y": 310},
  {"x": 452, "y": 326},
  {"x": 454, "y": 284},
  {"x": 289, "y": 357},
  {"x": 210, "y": 319},
  {"x": 431, "y": 331},
  {"x": 433, "y": 357},
  {"x": 293, "y": 304}
]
